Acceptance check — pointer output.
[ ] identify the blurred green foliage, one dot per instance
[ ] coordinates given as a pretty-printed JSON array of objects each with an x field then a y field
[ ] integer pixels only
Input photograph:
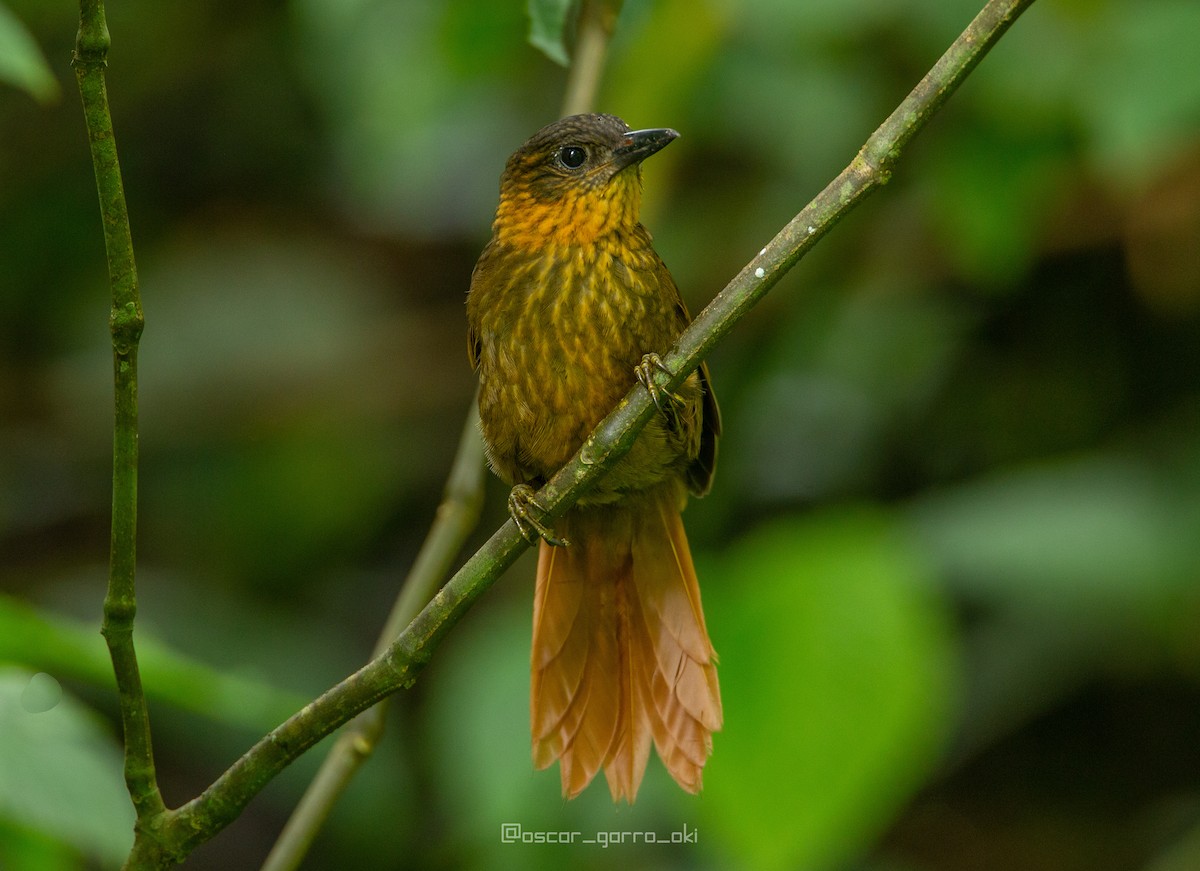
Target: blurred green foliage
[
  {"x": 835, "y": 713},
  {"x": 62, "y": 775},
  {"x": 21, "y": 62},
  {"x": 951, "y": 561},
  {"x": 550, "y": 28}
]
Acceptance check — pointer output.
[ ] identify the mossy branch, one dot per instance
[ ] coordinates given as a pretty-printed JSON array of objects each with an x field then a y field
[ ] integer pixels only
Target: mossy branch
[{"x": 176, "y": 833}]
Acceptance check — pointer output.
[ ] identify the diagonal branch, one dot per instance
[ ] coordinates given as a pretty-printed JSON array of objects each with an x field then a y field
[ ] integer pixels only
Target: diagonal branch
[
  {"x": 400, "y": 665},
  {"x": 870, "y": 169}
]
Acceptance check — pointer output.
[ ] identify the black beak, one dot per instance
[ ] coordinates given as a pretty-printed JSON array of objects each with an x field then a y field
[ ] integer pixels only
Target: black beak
[{"x": 640, "y": 144}]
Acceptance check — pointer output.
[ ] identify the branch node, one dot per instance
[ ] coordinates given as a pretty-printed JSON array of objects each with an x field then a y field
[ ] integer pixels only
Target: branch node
[
  {"x": 125, "y": 323},
  {"x": 119, "y": 614},
  {"x": 92, "y": 41}
]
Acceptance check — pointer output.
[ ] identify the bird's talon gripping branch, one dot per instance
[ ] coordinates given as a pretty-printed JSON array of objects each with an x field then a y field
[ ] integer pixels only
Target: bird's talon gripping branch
[
  {"x": 664, "y": 400},
  {"x": 527, "y": 514}
]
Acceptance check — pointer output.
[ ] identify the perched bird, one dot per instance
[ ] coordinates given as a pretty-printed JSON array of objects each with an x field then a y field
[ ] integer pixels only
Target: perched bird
[{"x": 568, "y": 304}]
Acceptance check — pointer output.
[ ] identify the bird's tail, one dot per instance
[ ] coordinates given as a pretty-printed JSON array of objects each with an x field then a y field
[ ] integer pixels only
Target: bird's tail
[{"x": 621, "y": 656}]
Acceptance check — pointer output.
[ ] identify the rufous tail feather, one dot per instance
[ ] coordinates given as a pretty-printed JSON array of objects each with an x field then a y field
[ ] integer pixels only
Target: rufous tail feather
[{"x": 621, "y": 657}]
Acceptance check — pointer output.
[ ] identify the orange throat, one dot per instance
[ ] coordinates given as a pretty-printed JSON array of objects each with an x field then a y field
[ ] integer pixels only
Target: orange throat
[{"x": 578, "y": 218}]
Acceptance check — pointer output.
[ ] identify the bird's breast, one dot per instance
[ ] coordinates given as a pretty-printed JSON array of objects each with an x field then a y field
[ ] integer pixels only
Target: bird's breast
[{"x": 560, "y": 334}]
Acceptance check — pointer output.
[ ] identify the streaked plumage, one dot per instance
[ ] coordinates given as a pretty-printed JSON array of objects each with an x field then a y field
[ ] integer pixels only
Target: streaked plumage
[{"x": 565, "y": 300}]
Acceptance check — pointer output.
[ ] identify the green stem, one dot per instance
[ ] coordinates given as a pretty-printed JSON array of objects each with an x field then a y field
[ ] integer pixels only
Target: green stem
[
  {"x": 125, "y": 325},
  {"x": 597, "y": 20},
  {"x": 399, "y": 666}
]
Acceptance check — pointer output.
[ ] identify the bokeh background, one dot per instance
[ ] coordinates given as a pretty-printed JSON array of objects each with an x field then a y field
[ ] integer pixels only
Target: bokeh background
[{"x": 951, "y": 562}]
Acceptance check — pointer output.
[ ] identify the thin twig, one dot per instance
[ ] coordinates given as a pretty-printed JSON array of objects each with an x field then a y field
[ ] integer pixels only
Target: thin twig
[
  {"x": 597, "y": 20},
  {"x": 125, "y": 325},
  {"x": 399, "y": 667}
]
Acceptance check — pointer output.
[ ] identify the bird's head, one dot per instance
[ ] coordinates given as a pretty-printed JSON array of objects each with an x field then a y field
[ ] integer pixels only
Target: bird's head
[{"x": 575, "y": 181}]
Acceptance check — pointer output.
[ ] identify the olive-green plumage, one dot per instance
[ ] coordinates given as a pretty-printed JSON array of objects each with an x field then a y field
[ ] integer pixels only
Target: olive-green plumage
[{"x": 565, "y": 301}]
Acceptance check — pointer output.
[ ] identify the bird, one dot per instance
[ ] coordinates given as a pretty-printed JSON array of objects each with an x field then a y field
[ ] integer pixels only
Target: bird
[{"x": 568, "y": 306}]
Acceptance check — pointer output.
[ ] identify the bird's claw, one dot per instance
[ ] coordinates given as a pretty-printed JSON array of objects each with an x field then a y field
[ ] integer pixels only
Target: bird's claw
[
  {"x": 665, "y": 401},
  {"x": 527, "y": 514}
]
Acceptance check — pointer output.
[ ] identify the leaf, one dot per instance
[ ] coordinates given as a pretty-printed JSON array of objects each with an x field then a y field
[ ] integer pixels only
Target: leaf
[
  {"x": 24, "y": 849},
  {"x": 835, "y": 666},
  {"x": 548, "y": 28},
  {"x": 22, "y": 64},
  {"x": 60, "y": 773},
  {"x": 40, "y": 640},
  {"x": 1138, "y": 86},
  {"x": 1099, "y": 531}
]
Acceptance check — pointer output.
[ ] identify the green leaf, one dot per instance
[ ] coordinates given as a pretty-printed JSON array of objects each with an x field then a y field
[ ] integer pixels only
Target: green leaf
[
  {"x": 22, "y": 64},
  {"x": 835, "y": 677},
  {"x": 60, "y": 773},
  {"x": 548, "y": 28},
  {"x": 25, "y": 849},
  {"x": 1138, "y": 86},
  {"x": 1102, "y": 531},
  {"x": 67, "y": 649}
]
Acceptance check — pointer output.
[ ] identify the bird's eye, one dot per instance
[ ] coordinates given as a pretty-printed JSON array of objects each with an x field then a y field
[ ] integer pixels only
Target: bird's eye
[{"x": 571, "y": 156}]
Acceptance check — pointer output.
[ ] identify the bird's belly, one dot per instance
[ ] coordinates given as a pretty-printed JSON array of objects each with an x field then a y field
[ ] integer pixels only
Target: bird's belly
[
  {"x": 555, "y": 375},
  {"x": 537, "y": 412}
]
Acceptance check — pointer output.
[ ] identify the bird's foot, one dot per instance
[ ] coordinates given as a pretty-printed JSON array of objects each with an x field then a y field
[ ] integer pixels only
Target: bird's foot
[
  {"x": 667, "y": 403},
  {"x": 528, "y": 514}
]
